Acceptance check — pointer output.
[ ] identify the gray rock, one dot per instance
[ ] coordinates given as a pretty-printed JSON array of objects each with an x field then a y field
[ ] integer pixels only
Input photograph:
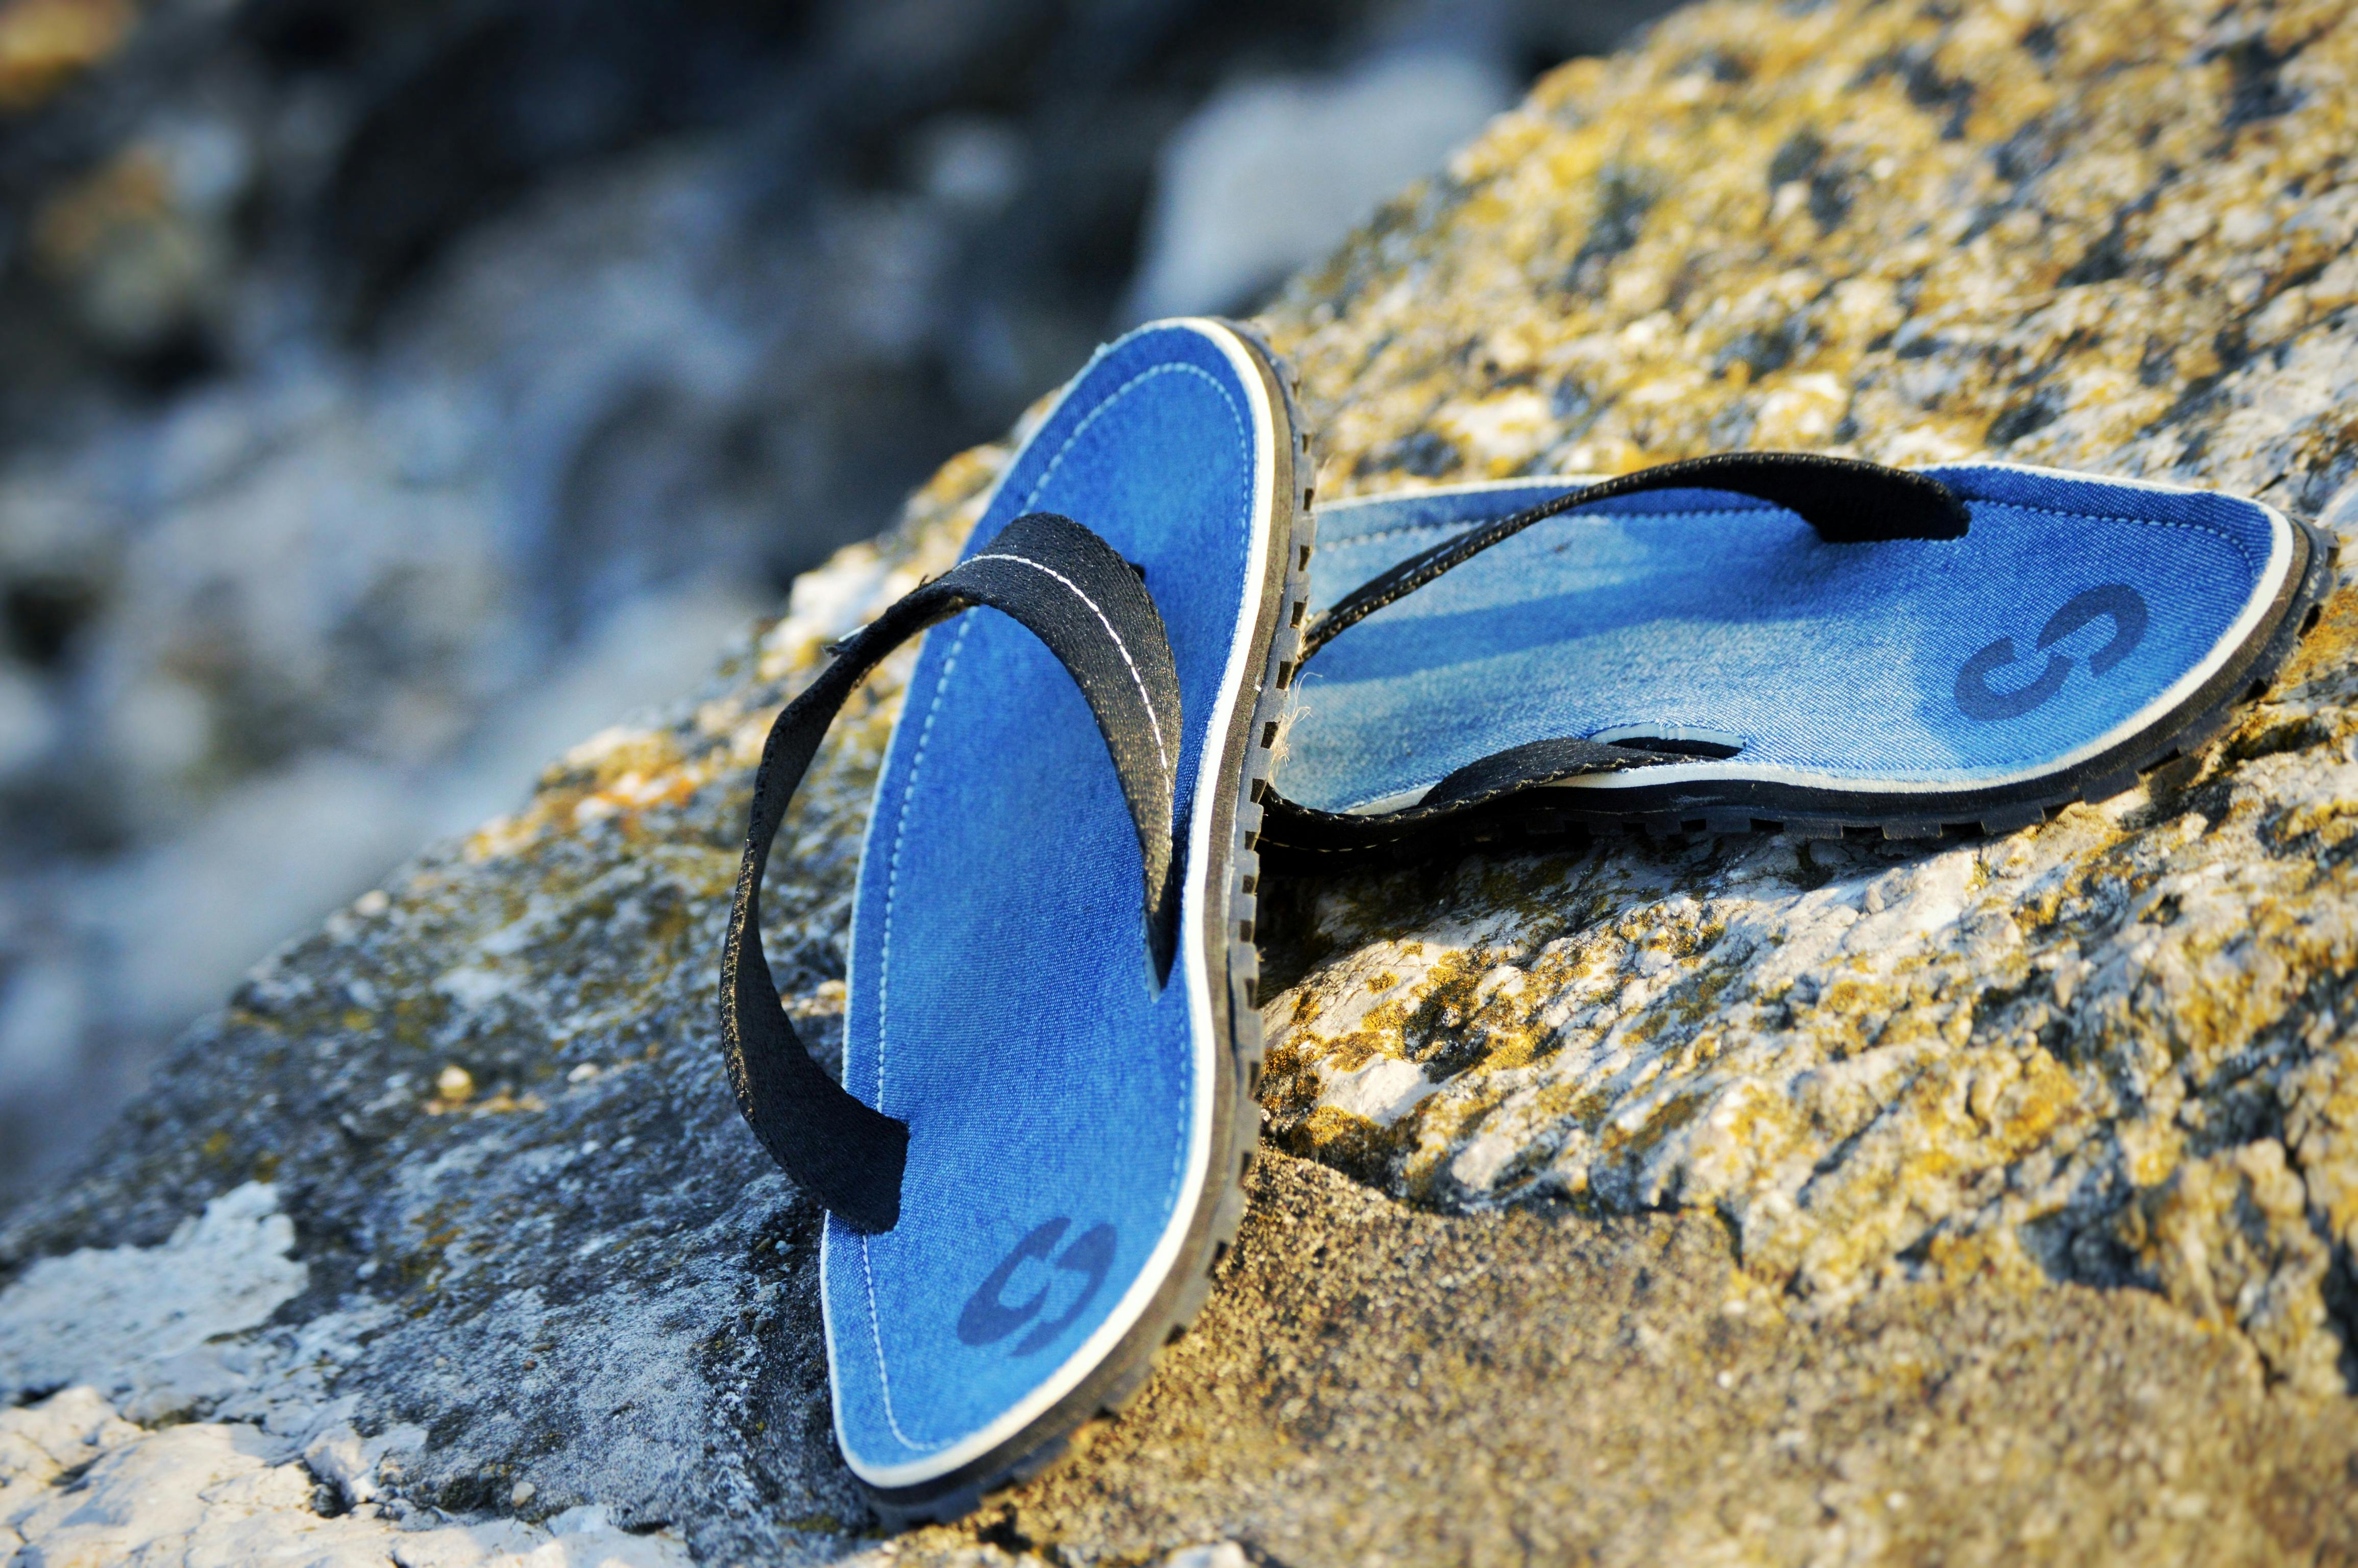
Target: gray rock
[
  {"x": 528, "y": 1221},
  {"x": 1989, "y": 1200}
]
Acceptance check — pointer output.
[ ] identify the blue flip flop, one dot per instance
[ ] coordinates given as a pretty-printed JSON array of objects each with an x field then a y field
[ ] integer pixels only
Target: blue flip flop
[
  {"x": 1774, "y": 640},
  {"x": 1034, "y": 1159}
]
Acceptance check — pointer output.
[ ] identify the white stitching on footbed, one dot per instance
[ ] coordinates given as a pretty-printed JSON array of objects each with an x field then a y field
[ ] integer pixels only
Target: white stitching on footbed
[
  {"x": 1117, "y": 393},
  {"x": 884, "y": 999},
  {"x": 2214, "y": 530},
  {"x": 900, "y": 828},
  {"x": 884, "y": 1379}
]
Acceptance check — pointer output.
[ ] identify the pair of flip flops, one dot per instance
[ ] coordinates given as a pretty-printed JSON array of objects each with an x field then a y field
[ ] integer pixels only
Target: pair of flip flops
[{"x": 1034, "y": 1159}]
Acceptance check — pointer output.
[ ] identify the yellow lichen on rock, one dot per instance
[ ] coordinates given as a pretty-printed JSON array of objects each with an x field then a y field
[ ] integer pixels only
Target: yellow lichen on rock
[
  {"x": 2114, "y": 237},
  {"x": 1859, "y": 1056},
  {"x": 44, "y": 44},
  {"x": 2073, "y": 233}
]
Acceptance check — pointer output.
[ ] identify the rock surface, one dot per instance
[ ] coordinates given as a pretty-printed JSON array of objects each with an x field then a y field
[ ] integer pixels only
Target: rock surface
[
  {"x": 2109, "y": 1050},
  {"x": 1729, "y": 1200}
]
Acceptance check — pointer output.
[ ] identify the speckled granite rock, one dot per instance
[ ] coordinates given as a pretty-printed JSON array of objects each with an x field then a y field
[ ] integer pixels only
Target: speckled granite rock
[
  {"x": 2110, "y": 1049},
  {"x": 1742, "y": 1201}
]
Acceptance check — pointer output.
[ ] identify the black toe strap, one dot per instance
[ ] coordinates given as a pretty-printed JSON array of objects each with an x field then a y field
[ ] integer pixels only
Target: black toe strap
[
  {"x": 1846, "y": 501},
  {"x": 1537, "y": 763},
  {"x": 1069, "y": 589}
]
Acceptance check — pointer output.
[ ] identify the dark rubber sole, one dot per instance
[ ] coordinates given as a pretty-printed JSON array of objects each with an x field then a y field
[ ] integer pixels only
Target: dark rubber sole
[
  {"x": 1246, "y": 759},
  {"x": 1298, "y": 837}
]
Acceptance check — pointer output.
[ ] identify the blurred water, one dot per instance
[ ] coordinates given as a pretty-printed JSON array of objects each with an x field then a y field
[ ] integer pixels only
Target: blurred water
[
  {"x": 397, "y": 393},
  {"x": 1271, "y": 171}
]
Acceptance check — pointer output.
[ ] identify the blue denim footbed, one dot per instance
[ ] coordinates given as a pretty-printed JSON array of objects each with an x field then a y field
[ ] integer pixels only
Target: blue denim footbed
[
  {"x": 1000, "y": 997},
  {"x": 1700, "y": 611}
]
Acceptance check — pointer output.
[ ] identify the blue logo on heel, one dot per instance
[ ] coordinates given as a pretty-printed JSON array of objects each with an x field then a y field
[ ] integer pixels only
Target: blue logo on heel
[
  {"x": 2118, "y": 600},
  {"x": 989, "y": 1317}
]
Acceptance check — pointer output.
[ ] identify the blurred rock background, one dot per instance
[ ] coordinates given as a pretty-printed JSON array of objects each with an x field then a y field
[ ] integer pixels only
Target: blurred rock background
[{"x": 393, "y": 392}]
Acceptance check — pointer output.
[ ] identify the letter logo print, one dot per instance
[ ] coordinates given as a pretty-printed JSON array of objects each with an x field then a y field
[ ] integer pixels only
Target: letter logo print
[
  {"x": 2118, "y": 600},
  {"x": 990, "y": 1318}
]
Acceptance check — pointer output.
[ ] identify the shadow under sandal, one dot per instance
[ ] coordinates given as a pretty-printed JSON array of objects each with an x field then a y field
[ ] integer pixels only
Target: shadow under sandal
[
  {"x": 1034, "y": 1159},
  {"x": 1774, "y": 640}
]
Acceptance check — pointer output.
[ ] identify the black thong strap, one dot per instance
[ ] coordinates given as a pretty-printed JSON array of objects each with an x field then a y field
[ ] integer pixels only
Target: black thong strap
[
  {"x": 1846, "y": 501},
  {"x": 1070, "y": 590},
  {"x": 1537, "y": 763}
]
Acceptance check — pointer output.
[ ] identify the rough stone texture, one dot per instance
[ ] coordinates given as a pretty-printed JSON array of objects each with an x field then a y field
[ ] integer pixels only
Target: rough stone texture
[
  {"x": 534, "y": 1231},
  {"x": 80, "y": 1485},
  {"x": 2109, "y": 1049},
  {"x": 1713, "y": 1201}
]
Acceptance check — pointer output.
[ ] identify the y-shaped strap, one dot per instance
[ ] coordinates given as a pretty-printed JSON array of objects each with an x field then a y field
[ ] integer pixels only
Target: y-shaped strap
[
  {"x": 1070, "y": 590},
  {"x": 1846, "y": 501}
]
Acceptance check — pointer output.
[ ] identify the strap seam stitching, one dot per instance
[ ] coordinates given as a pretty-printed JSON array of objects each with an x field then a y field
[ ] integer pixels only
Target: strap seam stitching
[{"x": 1162, "y": 746}]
